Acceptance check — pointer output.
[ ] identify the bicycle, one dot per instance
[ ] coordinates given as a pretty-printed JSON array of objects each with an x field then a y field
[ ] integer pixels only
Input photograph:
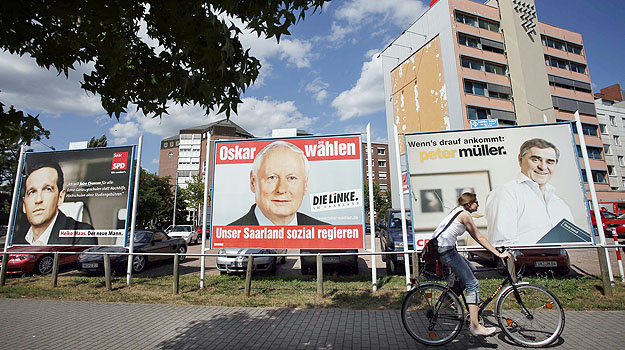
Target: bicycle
[{"x": 527, "y": 313}]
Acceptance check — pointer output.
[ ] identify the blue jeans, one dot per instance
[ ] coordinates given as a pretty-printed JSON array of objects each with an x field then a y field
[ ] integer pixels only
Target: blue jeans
[{"x": 464, "y": 270}]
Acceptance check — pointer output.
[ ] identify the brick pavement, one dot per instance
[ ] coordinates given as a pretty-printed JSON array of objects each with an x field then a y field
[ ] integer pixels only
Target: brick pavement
[{"x": 38, "y": 324}]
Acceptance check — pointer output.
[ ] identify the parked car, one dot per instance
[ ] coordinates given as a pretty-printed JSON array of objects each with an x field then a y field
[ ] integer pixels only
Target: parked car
[
  {"x": 532, "y": 260},
  {"x": 145, "y": 242},
  {"x": 610, "y": 221},
  {"x": 199, "y": 231},
  {"x": 40, "y": 259},
  {"x": 235, "y": 260},
  {"x": 185, "y": 231},
  {"x": 348, "y": 263},
  {"x": 391, "y": 240}
]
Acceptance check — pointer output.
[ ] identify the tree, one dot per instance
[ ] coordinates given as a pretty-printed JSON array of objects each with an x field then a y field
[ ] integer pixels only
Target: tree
[
  {"x": 94, "y": 143},
  {"x": 382, "y": 201},
  {"x": 155, "y": 200},
  {"x": 15, "y": 128},
  {"x": 200, "y": 59},
  {"x": 194, "y": 194}
]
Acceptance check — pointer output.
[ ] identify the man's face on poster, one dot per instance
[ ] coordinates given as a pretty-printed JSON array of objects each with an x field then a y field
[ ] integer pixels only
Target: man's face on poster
[
  {"x": 42, "y": 197},
  {"x": 539, "y": 164},
  {"x": 280, "y": 184}
]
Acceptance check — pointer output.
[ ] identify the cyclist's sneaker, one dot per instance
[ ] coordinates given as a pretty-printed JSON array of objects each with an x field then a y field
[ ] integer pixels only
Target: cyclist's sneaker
[{"x": 482, "y": 331}]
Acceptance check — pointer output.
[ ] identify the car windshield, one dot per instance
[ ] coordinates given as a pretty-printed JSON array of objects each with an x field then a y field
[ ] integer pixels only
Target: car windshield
[
  {"x": 181, "y": 229},
  {"x": 143, "y": 237},
  {"x": 396, "y": 220},
  {"x": 608, "y": 215}
]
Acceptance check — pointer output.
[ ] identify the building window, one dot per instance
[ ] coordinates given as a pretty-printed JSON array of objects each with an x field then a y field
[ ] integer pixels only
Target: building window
[
  {"x": 577, "y": 67},
  {"x": 587, "y": 129},
  {"x": 477, "y": 22},
  {"x": 611, "y": 170},
  {"x": 564, "y": 64},
  {"x": 466, "y": 19},
  {"x": 561, "y": 45},
  {"x": 469, "y": 41},
  {"x": 598, "y": 176},
  {"x": 383, "y": 187},
  {"x": 471, "y": 63},
  {"x": 607, "y": 149},
  {"x": 603, "y": 129},
  {"x": 382, "y": 175},
  {"x": 621, "y": 161},
  {"x": 382, "y": 163},
  {"x": 475, "y": 88},
  {"x": 612, "y": 120},
  {"x": 593, "y": 152},
  {"x": 495, "y": 68},
  {"x": 617, "y": 140},
  {"x": 381, "y": 151},
  {"x": 492, "y": 26},
  {"x": 475, "y": 113}
]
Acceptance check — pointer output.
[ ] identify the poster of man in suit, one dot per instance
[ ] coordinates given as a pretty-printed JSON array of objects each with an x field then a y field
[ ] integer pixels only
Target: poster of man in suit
[
  {"x": 77, "y": 197},
  {"x": 288, "y": 193}
]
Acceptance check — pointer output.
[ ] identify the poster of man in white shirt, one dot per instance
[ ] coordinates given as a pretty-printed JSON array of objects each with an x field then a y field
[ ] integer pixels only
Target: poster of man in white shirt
[
  {"x": 522, "y": 210},
  {"x": 527, "y": 178}
]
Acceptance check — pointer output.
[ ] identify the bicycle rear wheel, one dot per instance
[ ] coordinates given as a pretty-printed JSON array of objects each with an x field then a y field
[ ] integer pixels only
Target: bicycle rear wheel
[
  {"x": 538, "y": 324},
  {"x": 432, "y": 314}
]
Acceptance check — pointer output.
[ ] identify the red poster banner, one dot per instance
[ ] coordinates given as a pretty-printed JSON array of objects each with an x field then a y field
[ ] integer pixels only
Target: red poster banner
[
  {"x": 288, "y": 237},
  {"x": 315, "y": 149}
]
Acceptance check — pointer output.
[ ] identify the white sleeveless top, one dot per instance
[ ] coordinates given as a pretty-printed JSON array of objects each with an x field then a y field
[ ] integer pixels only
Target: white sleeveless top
[{"x": 451, "y": 234}]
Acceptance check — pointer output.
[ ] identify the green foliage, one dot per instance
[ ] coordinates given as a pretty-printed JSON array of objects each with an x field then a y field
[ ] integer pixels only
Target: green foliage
[
  {"x": 382, "y": 201},
  {"x": 200, "y": 59},
  {"x": 194, "y": 193},
  {"x": 15, "y": 127},
  {"x": 156, "y": 200},
  {"x": 100, "y": 142}
]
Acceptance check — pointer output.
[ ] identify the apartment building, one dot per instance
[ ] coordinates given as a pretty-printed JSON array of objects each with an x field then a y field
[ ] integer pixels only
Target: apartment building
[
  {"x": 184, "y": 155},
  {"x": 380, "y": 165},
  {"x": 464, "y": 60},
  {"x": 610, "y": 106}
]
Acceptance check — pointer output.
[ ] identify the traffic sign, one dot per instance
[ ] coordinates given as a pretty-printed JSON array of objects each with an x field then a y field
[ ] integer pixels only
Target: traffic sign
[{"x": 484, "y": 123}]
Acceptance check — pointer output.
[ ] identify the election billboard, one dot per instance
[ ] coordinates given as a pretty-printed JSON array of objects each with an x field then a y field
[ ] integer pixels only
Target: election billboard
[
  {"x": 76, "y": 197},
  {"x": 301, "y": 192},
  {"x": 527, "y": 181}
]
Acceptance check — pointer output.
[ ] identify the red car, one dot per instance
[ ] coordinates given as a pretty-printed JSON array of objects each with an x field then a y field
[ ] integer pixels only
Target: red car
[
  {"x": 39, "y": 259},
  {"x": 610, "y": 221},
  {"x": 199, "y": 231}
]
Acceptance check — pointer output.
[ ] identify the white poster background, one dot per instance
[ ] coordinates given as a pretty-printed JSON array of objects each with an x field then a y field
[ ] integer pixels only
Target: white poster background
[{"x": 448, "y": 172}]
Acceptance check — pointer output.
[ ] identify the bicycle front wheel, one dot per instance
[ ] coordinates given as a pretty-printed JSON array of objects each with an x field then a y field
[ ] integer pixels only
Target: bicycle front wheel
[
  {"x": 432, "y": 314},
  {"x": 534, "y": 318}
]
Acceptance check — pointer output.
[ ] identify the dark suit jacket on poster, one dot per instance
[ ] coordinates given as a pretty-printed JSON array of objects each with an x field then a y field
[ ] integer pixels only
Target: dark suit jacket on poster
[
  {"x": 63, "y": 222},
  {"x": 250, "y": 219}
]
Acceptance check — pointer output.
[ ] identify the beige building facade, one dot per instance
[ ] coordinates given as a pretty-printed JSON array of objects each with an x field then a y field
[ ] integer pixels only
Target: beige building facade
[{"x": 465, "y": 60}]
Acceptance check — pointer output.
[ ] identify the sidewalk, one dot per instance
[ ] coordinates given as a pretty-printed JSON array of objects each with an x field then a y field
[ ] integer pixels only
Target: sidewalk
[{"x": 39, "y": 324}]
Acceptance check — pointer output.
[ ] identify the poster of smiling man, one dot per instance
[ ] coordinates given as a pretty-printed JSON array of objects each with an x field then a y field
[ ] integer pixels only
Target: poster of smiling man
[
  {"x": 77, "y": 197},
  {"x": 288, "y": 193},
  {"x": 527, "y": 181}
]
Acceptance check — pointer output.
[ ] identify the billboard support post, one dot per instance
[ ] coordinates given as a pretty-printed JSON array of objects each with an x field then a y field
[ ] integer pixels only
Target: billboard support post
[
  {"x": 402, "y": 208},
  {"x": 203, "y": 261},
  {"x": 595, "y": 205},
  {"x": 173, "y": 220},
  {"x": 55, "y": 269},
  {"x": 374, "y": 277},
  {"x": 18, "y": 175},
  {"x": 133, "y": 221}
]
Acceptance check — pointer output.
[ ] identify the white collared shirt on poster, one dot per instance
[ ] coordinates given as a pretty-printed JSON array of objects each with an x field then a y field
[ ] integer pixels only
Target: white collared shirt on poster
[
  {"x": 518, "y": 214},
  {"x": 45, "y": 236},
  {"x": 263, "y": 221}
]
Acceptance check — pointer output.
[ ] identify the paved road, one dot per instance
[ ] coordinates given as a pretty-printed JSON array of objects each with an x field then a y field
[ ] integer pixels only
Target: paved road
[{"x": 51, "y": 325}]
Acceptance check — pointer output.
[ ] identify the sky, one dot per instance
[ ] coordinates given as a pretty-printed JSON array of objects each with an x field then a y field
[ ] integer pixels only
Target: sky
[{"x": 325, "y": 78}]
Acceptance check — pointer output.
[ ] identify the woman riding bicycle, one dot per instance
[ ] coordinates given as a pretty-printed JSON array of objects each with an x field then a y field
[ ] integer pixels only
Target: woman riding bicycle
[{"x": 467, "y": 204}]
